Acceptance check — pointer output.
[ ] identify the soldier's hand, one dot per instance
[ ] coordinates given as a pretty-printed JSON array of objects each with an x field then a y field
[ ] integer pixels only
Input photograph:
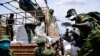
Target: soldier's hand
[
  {"x": 39, "y": 24},
  {"x": 66, "y": 24}
]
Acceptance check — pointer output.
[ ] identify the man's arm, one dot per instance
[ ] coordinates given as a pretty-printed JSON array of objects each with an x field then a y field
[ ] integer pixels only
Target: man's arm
[{"x": 78, "y": 25}]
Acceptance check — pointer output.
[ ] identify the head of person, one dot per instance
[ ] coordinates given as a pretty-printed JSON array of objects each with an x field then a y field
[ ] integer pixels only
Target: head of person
[
  {"x": 51, "y": 11},
  {"x": 4, "y": 42},
  {"x": 11, "y": 15},
  {"x": 71, "y": 13},
  {"x": 41, "y": 40}
]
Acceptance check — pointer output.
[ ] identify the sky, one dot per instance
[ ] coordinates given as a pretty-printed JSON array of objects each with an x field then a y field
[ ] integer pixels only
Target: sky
[{"x": 60, "y": 7}]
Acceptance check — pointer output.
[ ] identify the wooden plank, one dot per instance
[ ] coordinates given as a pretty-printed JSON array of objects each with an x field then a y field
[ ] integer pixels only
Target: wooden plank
[{"x": 23, "y": 49}]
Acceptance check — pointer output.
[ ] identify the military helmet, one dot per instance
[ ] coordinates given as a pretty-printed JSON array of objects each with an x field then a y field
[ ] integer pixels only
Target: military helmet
[
  {"x": 41, "y": 40},
  {"x": 51, "y": 11},
  {"x": 70, "y": 12},
  {"x": 4, "y": 38}
]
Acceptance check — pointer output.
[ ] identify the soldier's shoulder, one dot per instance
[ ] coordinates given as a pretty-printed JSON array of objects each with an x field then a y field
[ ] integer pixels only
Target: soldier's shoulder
[
  {"x": 11, "y": 53},
  {"x": 35, "y": 49},
  {"x": 50, "y": 51}
]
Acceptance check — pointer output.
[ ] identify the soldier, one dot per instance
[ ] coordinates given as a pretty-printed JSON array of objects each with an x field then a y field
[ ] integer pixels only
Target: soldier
[
  {"x": 5, "y": 45},
  {"x": 33, "y": 8},
  {"x": 10, "y": 23},
  {"x": 51, "y": 24},
  {"x": 29, "y": 27},
  {"x": 43, "y": 49},
  {"x": 52, "y": 18},
  {"x": 90, "y": 31}
]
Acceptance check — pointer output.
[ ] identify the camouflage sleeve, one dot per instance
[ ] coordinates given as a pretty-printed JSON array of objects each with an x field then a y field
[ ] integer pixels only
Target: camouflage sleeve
[
  {"x": 36, "y": 52},
  {"x": 86, "y": 49},
  {"x": 86, "y": 18},
  {"x": 49, "y": 52},
  {"x": 11, "y": 53},
  {"x": 81, "y": 18}
]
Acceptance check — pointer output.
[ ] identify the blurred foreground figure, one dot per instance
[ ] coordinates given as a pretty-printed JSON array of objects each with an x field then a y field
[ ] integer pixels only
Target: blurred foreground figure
[{"x": 5, "y": 45}]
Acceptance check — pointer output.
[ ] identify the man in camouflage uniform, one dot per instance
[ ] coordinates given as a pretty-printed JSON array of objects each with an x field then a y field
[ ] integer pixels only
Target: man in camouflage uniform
[
  {"x": 43, "y": 49},
  {"x": 91, "y": 34},
  {"x": 33, "y": 8},
  {"x": 52, "y": 18},
  {"x": 90, "y": 31},
  {"x": 31, "y": 27},
  {"x": 51, "y": 24},
  {"x": 5, "y": 45}
]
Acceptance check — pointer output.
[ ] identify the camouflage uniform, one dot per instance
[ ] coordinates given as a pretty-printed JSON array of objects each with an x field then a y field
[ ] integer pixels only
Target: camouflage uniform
[
  {"x": 52, "y": 18},
  {"x": 48, "y": 52},
  {"x": 29, "y": 6},
  {"x": 91, "y": 36},
  {"x": 41, "y": 50},
  {"x": 29, "y": 27},
  {"x": 3, "y": 50}
]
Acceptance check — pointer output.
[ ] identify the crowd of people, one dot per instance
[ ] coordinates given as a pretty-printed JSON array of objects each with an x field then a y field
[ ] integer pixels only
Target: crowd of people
[{"x": 84, "y": 43}]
